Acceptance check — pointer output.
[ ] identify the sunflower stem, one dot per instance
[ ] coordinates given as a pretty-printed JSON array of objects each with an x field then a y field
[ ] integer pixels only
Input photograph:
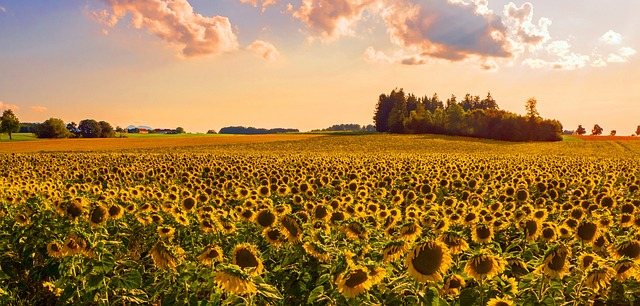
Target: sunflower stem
[{"x": 480, "y": 281}]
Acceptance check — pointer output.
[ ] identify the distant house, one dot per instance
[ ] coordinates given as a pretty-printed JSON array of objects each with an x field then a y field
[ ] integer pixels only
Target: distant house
[{"x": 143, "y": 131}]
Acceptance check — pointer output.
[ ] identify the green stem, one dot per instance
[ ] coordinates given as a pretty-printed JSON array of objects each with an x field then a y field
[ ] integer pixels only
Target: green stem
[{"x": 480, "y": 281}]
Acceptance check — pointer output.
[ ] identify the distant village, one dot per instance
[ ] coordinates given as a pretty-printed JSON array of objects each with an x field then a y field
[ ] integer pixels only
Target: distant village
[{"x": 138, "y": 130}]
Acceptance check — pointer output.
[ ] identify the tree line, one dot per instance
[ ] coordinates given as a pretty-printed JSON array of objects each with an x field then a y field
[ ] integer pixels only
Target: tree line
[
  {"x": 56, "y": 128},
  {"x": 597, "y": 130},
  {"x": 253, "y": 130},
  {"x": 403, "y": 113}
]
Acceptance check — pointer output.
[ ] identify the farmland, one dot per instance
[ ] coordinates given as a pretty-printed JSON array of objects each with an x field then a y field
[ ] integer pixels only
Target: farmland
[{"x": 335, "y": 219}]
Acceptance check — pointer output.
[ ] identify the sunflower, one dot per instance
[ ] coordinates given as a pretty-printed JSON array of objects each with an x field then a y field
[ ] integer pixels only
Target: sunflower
[
  {"x": 246, "y": 256},
  {"x": 54, "y": 249},
  {"x": 354, "y": 281},
  {"x": 165, "y": 257},
  {"x": 428, "y": 260},
  {"x": 317, "y": 251},
  {"x": 212, "y": 253},
  {"x": 291, "y": 228},
  {"x": 115, "y": 211},
  {"x": 274, "y": 235},
  {"x": 587, "y": 232},
  {"x": 265, "y": 218},
  {"x": 496, "y": 301},
  {"x": 531, "y": 229},
  {"x": 624, "y": 268},
  {"x": 355, "y": 230},
  {"x": 232, "y": 279},
  {"x": 22, "y": 219},
  {"x": 394, "y": 250},
  {"x": 453, "y": 284},
  {"x": 454, "y": 242},
  {"x": 377, "y": 274},
  {"x": 166, "y": 232},
  {"x": 75, "y": 208},
  {"x": 482, "y": 265},
  {"x": 627, "y": 248},
  {"x": 586, "y": 259},
  {"x": 98, "y": 216},
  {"x": 410, "y": 231},
  {"x": 599, "y": 276},
  {"x": 74, "y": 245},
  {"x": 482, "y": 234},
  {"x": 548, "y": 233},
  {"x": 555, "y": 263},
  {"x": 188, "y": 204}
]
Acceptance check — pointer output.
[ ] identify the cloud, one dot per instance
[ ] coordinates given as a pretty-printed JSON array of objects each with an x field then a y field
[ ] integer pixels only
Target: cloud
[
  {"x": 4, "y": 106},
  {"x": 255, "y": 3},
  {"x": 611, "y": 38},
  {"x": 2, "y": 9},
  {"x": 264, "y": 49},
  {"x": 489, "y": 65},
  {"x": 39, "y": 109},
  {"x": 451, "y": 30},
  {"x": 174, "y": 22},
  {"x": 331, "y": 19},
  {"x": 627, "y": 52},
  {"x": 371, "y": 55},
  {"x": 524, "y": 34}
]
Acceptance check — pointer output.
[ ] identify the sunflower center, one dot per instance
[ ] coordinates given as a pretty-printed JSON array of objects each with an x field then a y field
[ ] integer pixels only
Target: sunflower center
[
  {"x": 623, "y": 269},
  {"x": 548, "y": 233},
  {"x": 501, "y": 303},
  {"x": 246, "y": 259},
  {"x": 587, "y": 231},
  {"x": 586, "y": 262},
  {"x": 212, "y": 253},
  {"x": 454, "y": 283},
  {"x": 74, "y": 210},
  {"x": 531, "y": 227},
  {"x": 482, "y": 265},
  {"x": 356, "y": 278},
  {"x": 291, "y": 226},
  {"x": 483, "y": 232},
  {"x": 556, "y": 263},
  {"x": 266, "y": 218},
  {"x": 631, "y": 250},
  {"x": 273, "y": 234},
  {"x": 428, "y": 260},
  {"x": 321, "y": 212}
]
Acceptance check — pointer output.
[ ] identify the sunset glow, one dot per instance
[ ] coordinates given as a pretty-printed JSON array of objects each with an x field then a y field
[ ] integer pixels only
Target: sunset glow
[{"x": 309, "y": 64}]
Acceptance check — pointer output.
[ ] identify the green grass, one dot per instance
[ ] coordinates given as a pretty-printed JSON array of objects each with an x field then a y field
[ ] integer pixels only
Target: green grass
[
  {"x": 570, "y": 138},
  {"x": 17, "y": 137}
]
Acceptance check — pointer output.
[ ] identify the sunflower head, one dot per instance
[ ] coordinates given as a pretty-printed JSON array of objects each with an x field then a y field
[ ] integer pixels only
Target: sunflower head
[
  {"x": 98, "y": 216},
  {"x": 428, "y": 261},
  {"x": 232, "y": 279},
  {"x": 212, "y": 253},
  {"x": 556, "y": 261},
  {"x": 484, "y": 265},
  {"x": 453, "y": 284},
  {"x": 354, "y": 281},
  {"x": 246, "y": 257}
]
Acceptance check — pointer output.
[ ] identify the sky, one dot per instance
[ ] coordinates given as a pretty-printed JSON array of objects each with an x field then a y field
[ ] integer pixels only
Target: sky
[{"x": 309, "y": 64}]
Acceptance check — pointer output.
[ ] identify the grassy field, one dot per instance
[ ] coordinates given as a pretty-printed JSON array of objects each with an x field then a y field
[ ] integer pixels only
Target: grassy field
[{"x": 324, "y": 220}]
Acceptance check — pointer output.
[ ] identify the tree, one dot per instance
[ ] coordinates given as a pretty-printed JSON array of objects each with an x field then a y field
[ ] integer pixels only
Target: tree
[
  {"x": 212, "y": 132},
  {"x": 106, "y": 130},
  {"x": 90, "y": 128},
  {"x": 179, "y": 130},
  {"x": 120, "y": 130},
  {"x": 580, "y": 130},
  {"x": 73, "y": 128},
  {"x": 597, "y": 130},
  {"x": 638, "y": 130},
  {"x": 532, "y": 108},
  {"x": 53, "y": 128},
  {"x": 9, "y": 123},
  {"x": 613, "y": 133}
]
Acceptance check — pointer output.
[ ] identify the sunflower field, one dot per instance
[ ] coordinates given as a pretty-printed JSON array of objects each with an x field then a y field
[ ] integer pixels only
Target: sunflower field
[{"x": 333, "y": 220}]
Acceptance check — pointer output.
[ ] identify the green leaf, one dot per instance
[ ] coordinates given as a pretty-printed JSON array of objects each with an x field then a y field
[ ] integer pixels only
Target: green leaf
[
  {"x": 313, "y": 296},
  {"x": 105, "y": 264},
  {"x": 129, "y": 280},
  {"x": 468, "y": 296},
  {"x": 94, "y": 281},
  {"x": 323, "y": 279}
]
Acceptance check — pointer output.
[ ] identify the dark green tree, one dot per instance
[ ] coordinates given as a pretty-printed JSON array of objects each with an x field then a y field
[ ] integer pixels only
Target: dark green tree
[
  {"x": 179, "y": 130},
  {"x": 638, "y": 130},
  {"x": 597, "y": 130},
  {"x": 53, "y": 128},
  {"x": 581, "y": 130},
  {"x": 106, "y": 130},
  {"x": 73, "y": 129},
  {"x": 89, "y": 128},
  {"x": 10, "y": 123}
]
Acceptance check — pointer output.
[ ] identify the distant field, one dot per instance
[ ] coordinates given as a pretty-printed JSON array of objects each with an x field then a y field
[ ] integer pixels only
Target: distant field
[
  {"x": 144, "y": 142},
  {"x": 17, "y": 137},
  {"x": 606, "y": 138}
]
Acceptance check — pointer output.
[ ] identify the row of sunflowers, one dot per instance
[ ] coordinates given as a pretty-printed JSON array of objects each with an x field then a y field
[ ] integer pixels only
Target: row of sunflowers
[{"x": 316, "y": 222}]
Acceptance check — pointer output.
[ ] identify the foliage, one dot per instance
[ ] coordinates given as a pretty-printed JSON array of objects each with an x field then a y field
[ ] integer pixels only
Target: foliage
[
  {"x": 106, "y": 130},
  {"x": 53, "y": 128},
  {"x": 252, "y": 130},
  {"x": 401, "y": 113},
  {"x": 597, "y": 130},
  {"x": 212, "y": 132},
  {"x": 350, "y": 127},
  {"x": 179, "y": 130},
  {"x": 581, "y": 130},
  {"x": 613, "y": 133},
  {"x": 89, "y": 128},
  {"x": 9, "y": 123}
]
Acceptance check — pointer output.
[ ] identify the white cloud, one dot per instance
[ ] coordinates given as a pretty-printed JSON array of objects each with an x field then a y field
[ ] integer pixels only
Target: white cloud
[
  {"x": 38, "y": 108},
  {"x": 265, "y": 3},
  {"x": 4, "y": 106},
  {"x": 615, "y": 58},
  {"x": 174, "y": 22},
  {"x": 627, "y": 52},
  {"x": 524, "y": 34},
  {"x": 611, "y": 38},
  {"x": 598, "y": 63},
  {"x": 264, "y": 50},
  {"x": 371, "y": 55},
  {"x": 2, "y": 9}
]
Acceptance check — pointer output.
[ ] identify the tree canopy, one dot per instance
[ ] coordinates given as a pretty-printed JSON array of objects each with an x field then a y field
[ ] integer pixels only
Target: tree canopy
[
  {"x": 405, "y": 113},
  {"x": 53, "y": 128},
  {"x": 9, "y": 123}
]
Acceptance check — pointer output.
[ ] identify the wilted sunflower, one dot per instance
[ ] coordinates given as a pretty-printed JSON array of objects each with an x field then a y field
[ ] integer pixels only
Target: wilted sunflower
[
  {"x": 232, "y": 279},
  {"x": 212, "y": 253},
  {"x": 453, "y": 284},
  {"x": 246, "y": 257},
  {"x": 555, "y": 263},
  {"x": 482, "y": 234},
  {"x": 354, "y": 281},
  {"x": 481, "y": 266},
  {"x": 165, "y": 257},
  {"x": 54, "y": 249},
  {"x": 624, "y": 268},
  {"x": 75, "y": 208},
  {"x": 454, "y": 242},
  {"x": 626, "y": 248},
  {"x": 394, "y": 250},
  {"x": 410, "y": 231},
  {"x": 598, "y": 276},
  {"x": 502, "y": 301},
  {"x": 355, "y": 230},
  {"x": 428, "y": 261},
  {"x": 98, "y": 216},
  {"x": 316, "y": 250},
  {"x": 291, "y": 228}
]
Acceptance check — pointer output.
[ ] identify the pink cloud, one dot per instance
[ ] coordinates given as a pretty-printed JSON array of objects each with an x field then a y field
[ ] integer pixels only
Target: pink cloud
[
  {"x": 331, "y": 19},
  {"x": 4, "y": 106},
  {"x": 264, "y": 49},
  {"x": 37, "y": 108},
  {"x": 451, "y": 30},
  {"x": 255, "y": 3},
  {"x": 174, "y": 22},
  {"x": 2, "y": 9}
]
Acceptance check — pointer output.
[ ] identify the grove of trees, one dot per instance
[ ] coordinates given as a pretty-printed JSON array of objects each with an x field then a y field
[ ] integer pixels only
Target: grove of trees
[{"x": 405, "y": 113}]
